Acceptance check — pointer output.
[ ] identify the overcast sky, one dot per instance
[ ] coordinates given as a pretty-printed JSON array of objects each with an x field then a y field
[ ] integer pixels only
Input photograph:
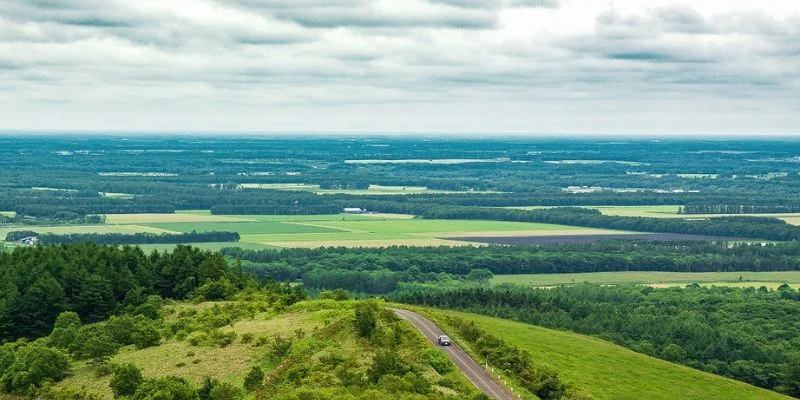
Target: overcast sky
[{"x": 354, "y": 66}]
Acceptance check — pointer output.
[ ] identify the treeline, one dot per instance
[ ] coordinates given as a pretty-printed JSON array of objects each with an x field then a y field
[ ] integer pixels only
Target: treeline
[
  {"x": 380, "y": 271},
  {"x": 126, "y": 238},
  {"x": 745, "y": 334},
  {"x": 38, "y": 283}
]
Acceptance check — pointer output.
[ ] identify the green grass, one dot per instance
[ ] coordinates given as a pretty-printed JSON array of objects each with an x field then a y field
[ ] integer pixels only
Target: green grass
[
  {"x": 757, "y": 279},
  {"x": 244, "y": 228},
  {"x": 607, "y": 371}
]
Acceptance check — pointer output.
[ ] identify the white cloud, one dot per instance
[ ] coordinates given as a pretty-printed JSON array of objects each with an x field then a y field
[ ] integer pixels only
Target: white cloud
[{"x": 538, "y": 66}]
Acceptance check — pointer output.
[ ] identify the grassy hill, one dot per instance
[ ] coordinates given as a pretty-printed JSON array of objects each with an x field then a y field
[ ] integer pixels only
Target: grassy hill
[
  {"x": 607, "y": 371},
  {"x": 311, "y": 350}
]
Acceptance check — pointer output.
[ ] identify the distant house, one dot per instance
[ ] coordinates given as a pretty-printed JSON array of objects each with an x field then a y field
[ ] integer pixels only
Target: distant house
[
  {"x": 348, "y": 210},
  {"x": 28, "y": 241}
]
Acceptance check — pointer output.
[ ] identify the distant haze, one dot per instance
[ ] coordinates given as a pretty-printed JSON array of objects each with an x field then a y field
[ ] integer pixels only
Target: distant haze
[{"x": 415, "y": 66}]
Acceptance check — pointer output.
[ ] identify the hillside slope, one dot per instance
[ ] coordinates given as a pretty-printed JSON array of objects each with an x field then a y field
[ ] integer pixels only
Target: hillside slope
[{"x": 608, "y": 371}]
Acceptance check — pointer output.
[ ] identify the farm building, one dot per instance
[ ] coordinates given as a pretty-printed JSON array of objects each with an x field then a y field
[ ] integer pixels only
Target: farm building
[
  {"x": 349, "y": 210},
  {"x": 28, "y": 241}
]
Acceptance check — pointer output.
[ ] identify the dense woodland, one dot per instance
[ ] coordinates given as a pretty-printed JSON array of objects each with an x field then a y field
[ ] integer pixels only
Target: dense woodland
[
  {"x": 380, "y": 271},
  {"x": 99, "y": 175},
  {"x": 746, "y": 334}
]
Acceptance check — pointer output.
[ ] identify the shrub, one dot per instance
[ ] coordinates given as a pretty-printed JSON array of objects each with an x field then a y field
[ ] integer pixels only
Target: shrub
[
  {"x": 226, "y": 391},
  {"x": 366, "y": 318},
  {"x": 171, "y": 387},
  {"x": 385, "y": 362},
  {"x": 126, "y": 380},
  {"x": 31, "y": 366},
  {"x": 439, "y": 361},
  {"x": 279, "y": 347},
  {"x": 254, "y": 379}
]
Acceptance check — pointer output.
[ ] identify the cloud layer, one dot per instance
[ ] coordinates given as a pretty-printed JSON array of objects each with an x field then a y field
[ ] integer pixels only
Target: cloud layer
[{"x": 526, "y": 66}]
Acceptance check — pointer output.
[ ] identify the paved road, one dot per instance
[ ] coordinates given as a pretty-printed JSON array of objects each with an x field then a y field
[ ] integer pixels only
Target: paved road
[{"x": 474, "y": 372}]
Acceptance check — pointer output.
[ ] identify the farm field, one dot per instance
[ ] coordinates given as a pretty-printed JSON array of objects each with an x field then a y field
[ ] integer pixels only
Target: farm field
[
  {"x": 670, "y": 211},
  {"x": 658, "y": 279},
  {"x": 346, "y": 230},
  {"x": 368, "y": 231},
  {"x": 373, "y": 189},
  {"x": 608, "y": 371}
]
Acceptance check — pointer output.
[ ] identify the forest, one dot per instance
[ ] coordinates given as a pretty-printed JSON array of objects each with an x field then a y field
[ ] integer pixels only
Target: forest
[
  {"x": 100, "y": 175},
  {"x": 380, "y": 271}
]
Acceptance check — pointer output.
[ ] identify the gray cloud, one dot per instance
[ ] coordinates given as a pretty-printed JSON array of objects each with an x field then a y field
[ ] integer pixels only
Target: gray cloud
[{"x": 431, "y": 60}]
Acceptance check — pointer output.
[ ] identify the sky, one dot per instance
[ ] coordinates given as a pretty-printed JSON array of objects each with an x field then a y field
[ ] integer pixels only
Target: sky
[{"x": 658, "y": 67}]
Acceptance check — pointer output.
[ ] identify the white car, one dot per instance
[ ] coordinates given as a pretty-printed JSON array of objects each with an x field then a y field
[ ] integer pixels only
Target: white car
[{"x": 443, "y": 340}]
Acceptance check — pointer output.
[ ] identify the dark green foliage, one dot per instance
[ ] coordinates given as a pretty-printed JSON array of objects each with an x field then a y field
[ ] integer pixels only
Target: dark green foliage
[
  {"x": 126, "y": 380},
  {"x": 439, "y": 361},
  {"x": 31, "y": 365},
  {"x": 39, "y": 283},
  {"x": 254, "y": 379},
  {"x": 225, "y": 391},
  {"x": 171, "y": 388},
  {"x": 386, "y": 362},
  {"x": 279, "y": 347},
  {"x": 365, "y": 318}
]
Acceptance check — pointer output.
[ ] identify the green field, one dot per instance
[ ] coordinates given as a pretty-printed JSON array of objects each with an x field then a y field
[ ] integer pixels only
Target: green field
[
  {"x": 365, "y": 230},
  {"x": 607, "y": 371},
  {"x": 659, "y": 279}
]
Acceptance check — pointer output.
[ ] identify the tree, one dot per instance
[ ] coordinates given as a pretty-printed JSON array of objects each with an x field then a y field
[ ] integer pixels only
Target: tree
[
  {"x": 366, "y": 318},
  {"x": 40, "y": 305},
  {"x": 126, "y": 380},
  {"x": 385, "y": 362},
  {"x": 254, "y": 379},
  {"x": 65, "y": 330},
  {"x": 790, "y": 376}
]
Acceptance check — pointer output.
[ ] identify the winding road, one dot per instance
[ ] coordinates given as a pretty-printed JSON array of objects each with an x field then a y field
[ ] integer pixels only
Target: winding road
[{"x": 474, "y": 372}]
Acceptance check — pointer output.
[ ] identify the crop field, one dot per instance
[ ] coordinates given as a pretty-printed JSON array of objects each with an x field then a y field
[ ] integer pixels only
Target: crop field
[
  {"x": 310, "y": 231},
  {"x": 373, "y": 189},
  {"x": 607, "y": 371},
  {"x": 658, "y": 279}
]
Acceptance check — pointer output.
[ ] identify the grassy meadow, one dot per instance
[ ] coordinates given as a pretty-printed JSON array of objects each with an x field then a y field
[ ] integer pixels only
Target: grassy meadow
[
  {"x": 610, "y": 372},
  {"x": 658, "y": 279}
]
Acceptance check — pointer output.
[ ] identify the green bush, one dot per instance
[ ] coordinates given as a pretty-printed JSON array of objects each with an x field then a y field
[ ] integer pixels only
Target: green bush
[
  {"x": 366, "y": 318},
  {"x": 126, "y": 380},
  {"x": 254, "y": 379},
  {"x": 169, "y": 388},
  {"x": 439, "y": 361},
  {"x": 31, "y": 365}
]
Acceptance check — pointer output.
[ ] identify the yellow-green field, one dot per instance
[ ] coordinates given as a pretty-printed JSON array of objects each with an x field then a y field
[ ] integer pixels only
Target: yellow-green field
[
  {"x": 670, "y": 211},
  {"x": 658, "y": 279},
  {"x": 373, "y": 189},
  {"x": 610, "y": 372},
  {"x": 346, "y": 230}
]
